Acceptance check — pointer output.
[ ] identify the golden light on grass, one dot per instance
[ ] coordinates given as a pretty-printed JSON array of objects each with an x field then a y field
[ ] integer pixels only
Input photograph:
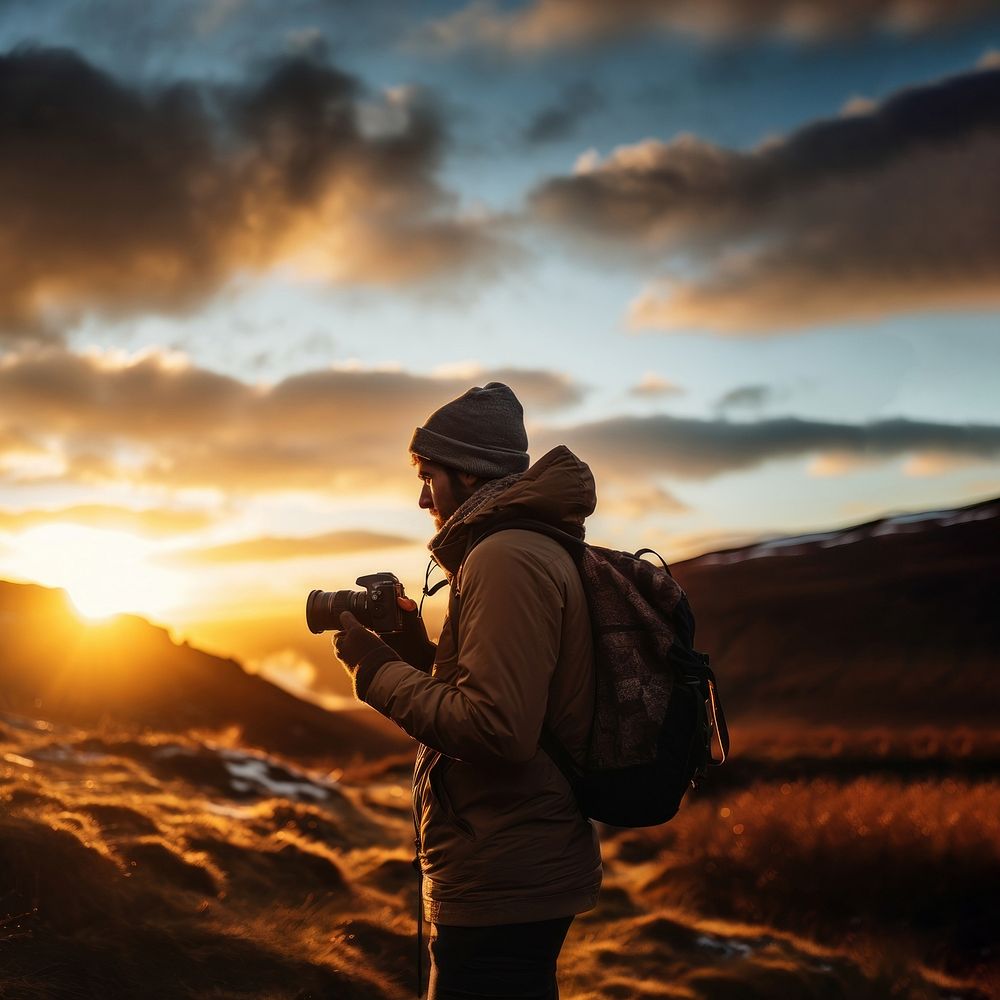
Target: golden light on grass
[{"x": 104, "y": 572}]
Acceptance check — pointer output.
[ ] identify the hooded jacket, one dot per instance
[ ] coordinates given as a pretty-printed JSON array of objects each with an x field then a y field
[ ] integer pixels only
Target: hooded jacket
[{"x": 501, "y": 838}]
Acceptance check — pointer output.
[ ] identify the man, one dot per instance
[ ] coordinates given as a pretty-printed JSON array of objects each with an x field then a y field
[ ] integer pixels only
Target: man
[{"x": 507, "y": 858}]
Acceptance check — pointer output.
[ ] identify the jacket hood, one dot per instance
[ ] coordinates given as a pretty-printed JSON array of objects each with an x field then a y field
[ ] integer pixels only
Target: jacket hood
[{"x": 558, "y": 489}]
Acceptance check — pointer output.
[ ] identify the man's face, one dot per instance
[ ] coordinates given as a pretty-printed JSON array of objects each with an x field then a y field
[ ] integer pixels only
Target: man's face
[{"x": 443, "y": 491}]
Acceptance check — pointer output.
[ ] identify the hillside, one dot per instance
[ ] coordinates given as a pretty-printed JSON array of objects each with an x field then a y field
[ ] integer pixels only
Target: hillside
[
  {"x": 889, "y": 622},
  {"x": 849, "y": 857},
  {"x": 128, "y": 673}
]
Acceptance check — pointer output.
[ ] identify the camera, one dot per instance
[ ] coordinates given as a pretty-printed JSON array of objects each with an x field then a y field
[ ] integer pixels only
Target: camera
[{"x": 376, "y": 607}]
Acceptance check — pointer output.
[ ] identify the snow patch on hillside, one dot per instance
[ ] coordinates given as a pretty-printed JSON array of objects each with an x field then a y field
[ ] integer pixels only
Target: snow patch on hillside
[{"x": 900, "y": 524}]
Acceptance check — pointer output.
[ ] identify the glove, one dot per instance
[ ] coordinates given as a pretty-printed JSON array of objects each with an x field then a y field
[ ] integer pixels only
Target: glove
[
  {"x": 412, "y": 644},
  {"x": 361, "y": 651}
]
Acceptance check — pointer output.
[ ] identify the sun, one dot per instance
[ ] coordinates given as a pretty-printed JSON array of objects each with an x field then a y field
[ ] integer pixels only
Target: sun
[{"x": 104, "y": 572}]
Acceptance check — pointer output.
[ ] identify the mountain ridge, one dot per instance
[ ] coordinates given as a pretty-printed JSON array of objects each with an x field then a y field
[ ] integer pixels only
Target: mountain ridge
[
  {"x": 891, "y": 622},
  {"x": 886, "y": 524},
  {"x": 128, "y": 672}
]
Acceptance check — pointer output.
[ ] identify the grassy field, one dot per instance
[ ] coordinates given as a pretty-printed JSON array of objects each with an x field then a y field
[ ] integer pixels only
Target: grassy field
[{"x": 821, "y": 864}]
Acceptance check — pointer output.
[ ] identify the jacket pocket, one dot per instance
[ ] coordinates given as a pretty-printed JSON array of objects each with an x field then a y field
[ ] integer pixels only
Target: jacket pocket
[{"x": 439, "y": 793}]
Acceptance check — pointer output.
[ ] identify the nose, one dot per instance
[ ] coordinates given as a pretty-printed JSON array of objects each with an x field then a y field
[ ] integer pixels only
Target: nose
[{"x": 426, "y": 500}]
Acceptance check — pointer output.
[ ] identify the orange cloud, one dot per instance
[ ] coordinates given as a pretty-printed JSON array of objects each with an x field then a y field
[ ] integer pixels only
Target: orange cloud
[
  {"x": 931, "y": 463},
  {"x": 150, "y": 522},
  {"x": 153, "y": 420},
  {"x": 833, "y": 464},
  {"x": 634, "y": 503},
  {"x": 271, "y": 549},
  {"x": 541, "y": 25},
  {"x": 653, "y": 386}
]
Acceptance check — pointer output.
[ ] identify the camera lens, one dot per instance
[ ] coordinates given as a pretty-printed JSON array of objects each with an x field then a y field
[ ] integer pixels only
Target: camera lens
[{"x": 323, "y": 609}]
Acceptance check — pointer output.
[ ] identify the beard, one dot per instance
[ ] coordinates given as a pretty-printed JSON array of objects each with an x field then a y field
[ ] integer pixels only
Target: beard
[{"x": 459, "y": 494}]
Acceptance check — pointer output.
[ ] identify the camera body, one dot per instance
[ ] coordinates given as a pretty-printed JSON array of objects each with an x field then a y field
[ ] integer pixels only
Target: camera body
[{"x": 376, "y": 607}]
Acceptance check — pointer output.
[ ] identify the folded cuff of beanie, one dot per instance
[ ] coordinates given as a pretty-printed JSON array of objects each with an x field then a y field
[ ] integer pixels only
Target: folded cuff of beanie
[{"x": 489, "y": 463}]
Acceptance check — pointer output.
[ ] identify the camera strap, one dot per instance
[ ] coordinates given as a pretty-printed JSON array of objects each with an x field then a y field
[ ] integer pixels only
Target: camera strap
[{"x": 428, "y": 590}]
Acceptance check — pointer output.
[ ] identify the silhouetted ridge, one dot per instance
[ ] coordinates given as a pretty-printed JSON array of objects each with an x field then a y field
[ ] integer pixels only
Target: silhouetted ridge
[
  {"x": 130, "y": 673},
  {"x": 893, "y": 620}
]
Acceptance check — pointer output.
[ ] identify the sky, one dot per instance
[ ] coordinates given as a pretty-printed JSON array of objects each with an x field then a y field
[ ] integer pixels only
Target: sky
[{"x": 742, "y": 257}]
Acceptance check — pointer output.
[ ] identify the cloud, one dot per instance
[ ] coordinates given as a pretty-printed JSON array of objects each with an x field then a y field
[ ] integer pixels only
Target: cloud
[
  {"x": 546, "y": 390},
  {"x": 158, "y": 420},
  {"x": 152, "y": 522},
  {"x": 635, "y": 503},
  {"x": 934, "y": 463},
  {"x": 745, "y": 397},
  {"x": 561, "y": 119},
  {"x": 889, "y": 210},
  {"x": 123, "y": 199},
  {"x": 626, "y": 448},
  {"x": 858, "y": 105},
  {"x": 653, "y": 386},
  {"x": 540, "y": 25},
  {"x": 836, "y": 464},
  {"x": 269, "y": 549}
]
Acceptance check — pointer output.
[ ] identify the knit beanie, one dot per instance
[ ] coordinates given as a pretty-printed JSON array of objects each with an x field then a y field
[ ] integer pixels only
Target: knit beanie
[{"x": 481, "y": 432}]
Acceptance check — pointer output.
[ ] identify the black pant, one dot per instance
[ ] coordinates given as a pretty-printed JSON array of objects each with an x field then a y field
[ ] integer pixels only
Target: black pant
[{"x": 512, "y": 961}]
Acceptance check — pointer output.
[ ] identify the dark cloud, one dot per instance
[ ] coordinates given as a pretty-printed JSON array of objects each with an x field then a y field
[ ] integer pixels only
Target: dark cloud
[
  {"x": 270, "y": 549},
  {"x": 745, "y": 397},
  {"x": 890, "y": 208},
  {"x": 124, "y": 198},
  {"x": 149, "y": 521},
  {"x": 629, "y": 447},
  {"x": 541, "y": 25},
  {"x": 546, "y": 390},
  {"x": 562, "y": 119},
  {"x": 156, "y": 420},
  {"x": 155, "y": 40}
]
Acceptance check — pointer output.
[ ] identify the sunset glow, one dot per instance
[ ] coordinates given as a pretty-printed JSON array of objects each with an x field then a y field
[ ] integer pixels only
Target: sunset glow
[{"x": 104, "y": 572}]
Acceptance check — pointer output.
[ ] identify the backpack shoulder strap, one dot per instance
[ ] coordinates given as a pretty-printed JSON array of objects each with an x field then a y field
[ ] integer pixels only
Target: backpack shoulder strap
[
  {"x": 571, "y": 542},
  {"x": 653, "y": 552}
]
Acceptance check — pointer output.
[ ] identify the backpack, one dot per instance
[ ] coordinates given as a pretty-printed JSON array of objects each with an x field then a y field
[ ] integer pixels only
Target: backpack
[{"x": 657, "y": 710}]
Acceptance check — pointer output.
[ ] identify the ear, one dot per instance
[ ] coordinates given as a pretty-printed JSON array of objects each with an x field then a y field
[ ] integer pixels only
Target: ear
[{"x": 468, "y": 479}]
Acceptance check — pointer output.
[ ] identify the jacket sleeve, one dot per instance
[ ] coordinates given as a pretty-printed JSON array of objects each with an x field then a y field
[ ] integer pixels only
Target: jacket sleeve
[{"x": 508, "y": 645}]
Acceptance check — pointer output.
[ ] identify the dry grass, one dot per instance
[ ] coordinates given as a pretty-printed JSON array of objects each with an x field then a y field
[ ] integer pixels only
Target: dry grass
[
  {"x": 892, "y": 873},
  {"x": 870, "y": 863},
  {"x": 133, "y": 865}
]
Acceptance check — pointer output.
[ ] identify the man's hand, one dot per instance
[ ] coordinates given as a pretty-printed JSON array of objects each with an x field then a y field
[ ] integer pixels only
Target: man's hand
[
  {"x": 361, "y": 651},
  {"x": 412, "y": 644}
]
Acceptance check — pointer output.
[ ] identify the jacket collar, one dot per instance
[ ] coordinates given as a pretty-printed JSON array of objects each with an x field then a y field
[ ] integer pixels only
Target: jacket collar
[
  {"x": 558, "y": 489},
  {"x": 449, "y": 544}
]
